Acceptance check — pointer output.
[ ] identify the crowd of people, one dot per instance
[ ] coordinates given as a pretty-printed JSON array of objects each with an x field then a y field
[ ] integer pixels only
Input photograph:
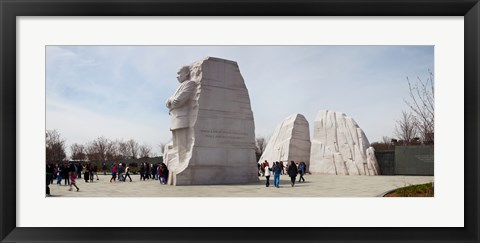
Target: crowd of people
[
  {"x": 69, "y": 172},
  {"x": 121, "y": 172},
  {"x": 278, "y": 168}
]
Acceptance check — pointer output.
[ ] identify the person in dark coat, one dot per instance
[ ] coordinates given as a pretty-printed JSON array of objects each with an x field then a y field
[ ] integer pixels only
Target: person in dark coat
[
  {"x": 49, "y": 176},
  {"x": 142, "y": 171},
  {"x": 163, "y": 173},
  {"x": 292, "y": 172},
  {"x": 104, "y": 168},
  {"x": 65, "y": 173},
  {"x": 91, "y": 172},
  {"x": 86, "y": 174},
  {"x": 302, "y": 169},
  {"x": 277, "y": 170}
]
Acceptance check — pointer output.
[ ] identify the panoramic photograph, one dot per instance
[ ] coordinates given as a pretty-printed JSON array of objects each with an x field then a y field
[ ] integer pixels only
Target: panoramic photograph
[{"x": 239, "y": 121}]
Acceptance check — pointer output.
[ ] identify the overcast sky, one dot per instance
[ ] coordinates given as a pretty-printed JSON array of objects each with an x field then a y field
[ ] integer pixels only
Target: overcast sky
[{"x": 119, "y": 92}]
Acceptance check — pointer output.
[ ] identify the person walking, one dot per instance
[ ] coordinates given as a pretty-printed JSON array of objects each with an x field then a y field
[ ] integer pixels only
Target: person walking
[
  {"x": 159, "y": 173},
  {"x": 163, "y": 173},
  {"x": 49, "y": 178},
  {"x": 142, "y": 171},
  {"x": 78, "y": 170},
  {"x": 292, "y": 172},
  {"x": 114, "y": 172},
  {"x": 86, "y": 174},
  {"x": 147, "y": 171},
  {"x": 120, "y": 172},
  {"x": 267, "y": 175},
  {"x": 58, "y": 172},
  {"x": 104, "y": 168},
  {"x": 302, "y": 168},
  {"x": 91, "y": 172},
  {"x": 95, "y": 168},
  {"x": 65, "y": 170},
  {"x": 277, "y": 170},
  {"x": 127, "y": 174},
  {"x": 73, "y": 177},
  {"x": 283, "y": 167}
]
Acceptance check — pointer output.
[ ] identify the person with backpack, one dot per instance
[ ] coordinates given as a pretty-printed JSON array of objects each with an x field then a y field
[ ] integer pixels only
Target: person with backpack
[
  {"x": 292, "y": 172},
  {"x": 301, "y": 171},
  {"x": 277, "y": 170},
  {"x": 120, "y": 169}
]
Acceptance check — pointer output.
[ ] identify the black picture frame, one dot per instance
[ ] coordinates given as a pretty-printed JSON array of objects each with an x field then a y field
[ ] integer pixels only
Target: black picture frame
[{"x": 10, "y": 9}]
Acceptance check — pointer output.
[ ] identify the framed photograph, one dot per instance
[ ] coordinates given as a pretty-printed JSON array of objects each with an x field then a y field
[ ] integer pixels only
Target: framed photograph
[{"x": 40, "y": 39}]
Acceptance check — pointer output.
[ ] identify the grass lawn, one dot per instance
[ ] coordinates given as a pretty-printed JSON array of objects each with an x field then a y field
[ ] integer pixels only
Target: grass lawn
[{"x": 422, "y": 190}]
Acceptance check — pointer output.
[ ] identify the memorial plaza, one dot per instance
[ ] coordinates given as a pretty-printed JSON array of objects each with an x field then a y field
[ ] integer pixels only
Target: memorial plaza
[{"x": 314, "y": 186}]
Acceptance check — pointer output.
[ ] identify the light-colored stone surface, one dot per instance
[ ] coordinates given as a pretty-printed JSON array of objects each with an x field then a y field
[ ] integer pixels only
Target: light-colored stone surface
[
  {"x": 315, "y": 186},
  {"x": 217, "y": 143},
  {"x": 339, "y": 146},
  {"x": 168, "y": 153},
  {"x": 290, "y": 141},
  {"x": 372, "y": 161}
]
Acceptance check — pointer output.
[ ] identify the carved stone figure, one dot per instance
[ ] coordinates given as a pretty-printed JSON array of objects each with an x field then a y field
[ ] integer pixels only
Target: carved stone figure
[
  {"x": 339, "y": 146},
  {"x": 290, "y": 141},
  {"x": 181, "y": 105},
  {"x": 212, "y": 126}
]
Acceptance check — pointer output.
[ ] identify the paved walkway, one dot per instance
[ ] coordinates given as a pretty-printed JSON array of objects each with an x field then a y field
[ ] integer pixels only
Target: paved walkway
[{"x": 315, "y": 186}]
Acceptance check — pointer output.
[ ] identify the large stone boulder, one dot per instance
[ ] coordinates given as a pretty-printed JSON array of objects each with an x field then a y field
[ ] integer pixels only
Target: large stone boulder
[
  {"x": 220, "y": 147},
  {"x": 339, "y": 146},
  {"x": 290, "y": 141}
]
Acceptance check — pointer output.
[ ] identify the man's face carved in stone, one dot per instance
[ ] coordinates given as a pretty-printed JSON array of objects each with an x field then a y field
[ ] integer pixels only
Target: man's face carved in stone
[{"x": 183, "y": 74}]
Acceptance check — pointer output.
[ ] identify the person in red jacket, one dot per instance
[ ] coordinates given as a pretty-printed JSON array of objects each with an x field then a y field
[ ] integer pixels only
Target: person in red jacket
[{"x": 114, "y": 172}]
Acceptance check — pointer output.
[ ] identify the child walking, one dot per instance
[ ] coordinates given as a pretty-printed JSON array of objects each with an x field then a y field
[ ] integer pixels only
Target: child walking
[{"x": 73, "y": 177}]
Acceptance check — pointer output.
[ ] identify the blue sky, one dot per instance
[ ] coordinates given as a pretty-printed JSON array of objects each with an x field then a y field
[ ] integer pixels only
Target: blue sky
[{"x": 119, "y": 92}]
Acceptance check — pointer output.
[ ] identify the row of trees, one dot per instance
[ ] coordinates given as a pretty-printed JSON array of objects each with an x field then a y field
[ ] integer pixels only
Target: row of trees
[{"x": 100, "y": 149}]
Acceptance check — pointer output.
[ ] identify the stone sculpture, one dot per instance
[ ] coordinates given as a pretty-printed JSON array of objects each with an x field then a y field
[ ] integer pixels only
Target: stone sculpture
[
  {"x": 290, "y": 141},
  {"x": 168, "y": 153},
  {"x": 212, "y": 126},
  {"x": 339, "y": 146},
  {"x": 372, "y": 161}
]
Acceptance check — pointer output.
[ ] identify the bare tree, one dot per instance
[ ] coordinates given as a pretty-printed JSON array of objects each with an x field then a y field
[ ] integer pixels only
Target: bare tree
[
  {"x": 92, "y": 153},
  {"x": 112, "y": 151},
  {"x": 145, "y": 151},
  {"x": 422, "y": 97},
  {"x": 386, "y": 140},
  {"x": 133, "y": 148},
  {"x": 78, "y": 152},
  {"x": 123, "y": 150},
  {"x": 55, "y": 147},
  {"x": 406, "y": 128},
  {"x": 260, "y": 145},
  {"x": 99, "y": 149}
]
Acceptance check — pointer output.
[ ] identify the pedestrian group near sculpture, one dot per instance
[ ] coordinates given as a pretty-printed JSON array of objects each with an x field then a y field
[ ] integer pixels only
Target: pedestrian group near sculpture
[{"x": 213, "y": 134}]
